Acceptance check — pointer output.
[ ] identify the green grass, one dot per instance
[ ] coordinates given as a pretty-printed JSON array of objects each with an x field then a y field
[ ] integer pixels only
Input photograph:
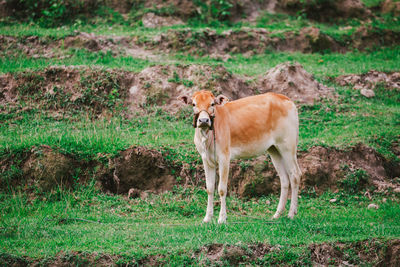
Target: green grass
[
  {"x": 170, "y": 224},
  {"x": 352, "y": 120},
  {"x": 40, "y": 225},
  {"x": 320, "y": 65}
]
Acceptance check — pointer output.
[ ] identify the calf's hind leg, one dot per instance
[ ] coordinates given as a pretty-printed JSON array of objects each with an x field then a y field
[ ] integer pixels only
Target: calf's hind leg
[
  {"x": 293, "y": 171},
  {"x": 277, "y": 160}
]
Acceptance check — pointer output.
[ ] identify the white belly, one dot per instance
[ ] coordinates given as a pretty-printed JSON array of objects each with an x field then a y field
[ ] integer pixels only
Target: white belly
[{"x": 251, "y": 150}]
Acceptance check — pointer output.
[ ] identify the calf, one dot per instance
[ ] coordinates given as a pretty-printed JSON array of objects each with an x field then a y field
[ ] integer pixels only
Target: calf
[{"x": 246, "y": 128}]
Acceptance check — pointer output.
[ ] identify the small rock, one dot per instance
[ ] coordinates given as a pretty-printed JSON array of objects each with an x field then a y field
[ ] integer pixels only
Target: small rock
[
  {"x": 384, "y": 200},
  {"x": 333, "y": 200},
  {"x": 367, "y": 93},
  {"x": 373, "y": 206}
]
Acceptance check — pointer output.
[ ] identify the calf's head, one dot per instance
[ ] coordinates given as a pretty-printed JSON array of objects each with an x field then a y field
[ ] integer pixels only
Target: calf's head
[{"x": 204, "y": 104}]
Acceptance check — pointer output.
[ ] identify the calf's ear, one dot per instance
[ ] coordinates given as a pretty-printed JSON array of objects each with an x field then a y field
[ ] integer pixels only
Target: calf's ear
[
  {"x": 185, "y": 99},
  {"x": 221, "y": 100}
]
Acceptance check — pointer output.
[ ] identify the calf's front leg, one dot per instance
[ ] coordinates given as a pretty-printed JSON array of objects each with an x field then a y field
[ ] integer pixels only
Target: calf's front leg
[
  {"x": 210, "y": 183},
  {"x": 222, "y": 187}
]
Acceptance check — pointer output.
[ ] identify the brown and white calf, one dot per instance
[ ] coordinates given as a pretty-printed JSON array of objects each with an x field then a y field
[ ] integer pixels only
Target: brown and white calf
[{"x": 246, "y": 128}]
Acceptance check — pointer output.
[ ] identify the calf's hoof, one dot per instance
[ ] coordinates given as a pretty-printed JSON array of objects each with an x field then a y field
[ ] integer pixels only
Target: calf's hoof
[
  {"x": 207, "y": 219},
  {"x": 222, "y": 219}
]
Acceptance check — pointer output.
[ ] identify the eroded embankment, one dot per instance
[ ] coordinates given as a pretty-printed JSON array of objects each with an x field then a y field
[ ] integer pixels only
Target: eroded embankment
[
  {"x": 140, "y": 170},
  {"x": 369, "y": 252},
  {"x": 248, "y": 41},
  {"x": 74, "y": 89}
]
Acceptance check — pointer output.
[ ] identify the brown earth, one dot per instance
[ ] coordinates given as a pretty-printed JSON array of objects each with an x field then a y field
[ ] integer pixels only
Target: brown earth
[
  {"x": 323, "y": 169},
  {"x": 256, "y": 40},
  {"x": 243, "y": 9},
  {"x": 144, "y": 170},
  {"x": 248, "y": 41},
  {"x": 375, "y": 252},
  {"x": 326, "y": 11},
  {"x": 72, "y": 89},
  {"x": 391, "y": 6},
  {"x": 369, "y": 252},
  {"x": 61, "y": 89},
  {"x": 292, "y": 80},
  {"x": 371, "y": 79},
  {"x": 161, "y": 85}
]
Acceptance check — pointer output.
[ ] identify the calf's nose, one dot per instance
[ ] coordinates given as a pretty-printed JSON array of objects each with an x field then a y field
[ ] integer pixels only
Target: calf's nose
[{"x": 204, "y": 120}]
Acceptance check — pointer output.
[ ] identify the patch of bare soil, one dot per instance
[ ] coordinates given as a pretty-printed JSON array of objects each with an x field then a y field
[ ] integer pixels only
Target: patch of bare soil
[
  {"x": 326, "y": 11},
  {"x": 371, "y": 79},
  {"x": 235, "y": 255},
  {"x": 292, "y": 80},
  {"x": 323, "y": 168},
  {"x": 61, "y": 89},
  {"x": 73, "y": 258},
  {"x": 31, "y": 46},
  {"x": 48, "y": 169},
  {"x": 373, "y": 252},
  {"x": 161, "y": 85},
  {"x": 151, "y": 20},
  {"x": 370, "y": 37},
  {"x": 142, "y": 169},
  {"x": 391, "y": 6},
  {"x": 245, "y": 40}
]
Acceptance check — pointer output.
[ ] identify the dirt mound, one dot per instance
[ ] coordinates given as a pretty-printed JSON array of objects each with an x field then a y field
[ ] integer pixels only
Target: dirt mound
[
  {"x": 243, "y": 40},
  {"x": 66, "y": 89},
  {"x": 235, "y": 255},
  {"x": 391, "y": 6},
  {"x": 73, "y": 89},
  {"x": 89, "y": 41},
  {"x": 323, "y": 168},
  {"x": 141, "y": 169},
  {"x": 41, "y": 169},
  {"x": 292, "y": 80},
  {"x": 373, "y": 252},
  {"x": 161, "y": 85},
  {"x": 44, "y": 168},
  {"x": 326, "y": 10},
  {"x": 151, "y": 20},
  {"x": 73, "y": 258},
  {"x": 31, "y": 46},
  {"x": 371, "y": 37},
  {"x": 371, "y": 79}
]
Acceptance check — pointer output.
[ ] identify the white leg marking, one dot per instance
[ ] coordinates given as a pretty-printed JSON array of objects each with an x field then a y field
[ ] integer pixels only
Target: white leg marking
[
  {"x": 277, "y": 160},
  {"x": 222, "y": 188},
  {"x": 210, "y": 183},
  {"x": 294, "y": 172}
]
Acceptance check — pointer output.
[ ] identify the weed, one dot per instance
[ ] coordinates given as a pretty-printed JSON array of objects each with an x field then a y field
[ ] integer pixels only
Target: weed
[{"x": 354, "y": 180}]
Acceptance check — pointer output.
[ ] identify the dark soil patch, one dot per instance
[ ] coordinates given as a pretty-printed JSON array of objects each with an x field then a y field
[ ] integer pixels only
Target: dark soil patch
[
  {"x": 375, "y": 252},
  {"x": 45, "y": 169},
  {"x": 369, "y": 252},
  {"x": 234, "y": 255},
  {"x": 72, "y": 89},
  {"x": 327, "y": 10},
  {"x": 355, "y": 168},
  {"x": 258, "y": 40},
  {"x": 245, "y": 40},
  {"x": 142, "y": 169}
]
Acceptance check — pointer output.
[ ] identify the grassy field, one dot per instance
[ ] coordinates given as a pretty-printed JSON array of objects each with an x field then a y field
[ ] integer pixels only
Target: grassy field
[
  {"x": 170, "y": 227},
  {"x": 39, "y": 227}
]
